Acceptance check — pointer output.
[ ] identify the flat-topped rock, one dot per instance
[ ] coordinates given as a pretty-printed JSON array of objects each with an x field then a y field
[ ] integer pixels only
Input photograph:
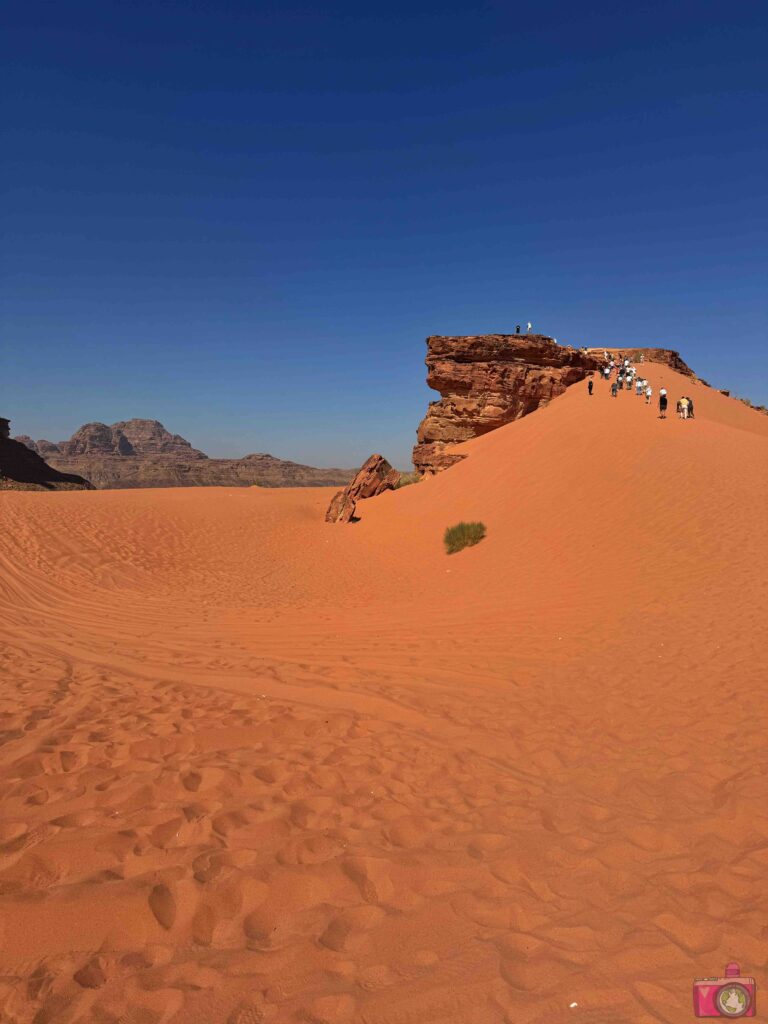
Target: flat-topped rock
[{"x": 486, "y": 381}]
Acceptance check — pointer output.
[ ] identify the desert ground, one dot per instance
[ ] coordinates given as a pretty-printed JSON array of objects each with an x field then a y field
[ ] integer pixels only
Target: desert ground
[{"x": 256, "y": 767}]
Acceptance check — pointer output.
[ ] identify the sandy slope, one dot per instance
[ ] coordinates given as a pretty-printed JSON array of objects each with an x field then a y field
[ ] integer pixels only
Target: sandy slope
[{"x": 256, "y": 767}]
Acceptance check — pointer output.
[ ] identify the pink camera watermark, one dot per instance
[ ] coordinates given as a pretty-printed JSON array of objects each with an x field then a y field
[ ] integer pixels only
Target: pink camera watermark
[{"x": 731, "y": 996}]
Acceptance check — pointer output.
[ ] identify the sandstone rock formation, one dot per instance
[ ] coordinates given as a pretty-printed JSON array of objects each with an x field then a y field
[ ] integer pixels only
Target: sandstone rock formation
[
  {"x": 25, "y": 470},
  {"x": 651, "y": 355},
  {"x": 373, "y": 477},
  {"x": 486, "y": 381},
  {"x": 142, "y": 453}
]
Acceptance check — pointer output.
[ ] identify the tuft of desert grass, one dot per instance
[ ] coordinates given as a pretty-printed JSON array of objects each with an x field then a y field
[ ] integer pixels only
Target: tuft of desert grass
[
  {"x": 408, "y": 478},
  {"x": 463, "y": 535}
]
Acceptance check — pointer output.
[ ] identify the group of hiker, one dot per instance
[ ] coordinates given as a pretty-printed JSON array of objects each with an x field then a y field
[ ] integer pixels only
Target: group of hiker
[{"x": 627, "y": 377}]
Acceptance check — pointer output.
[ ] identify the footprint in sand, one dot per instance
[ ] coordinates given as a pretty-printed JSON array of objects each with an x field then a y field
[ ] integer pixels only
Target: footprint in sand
[
  {"x": 92, "y": 974},
  {"x": 10, "y": 851},
  {"x": 348, "y": 930},
  {"x": 204, "y": 925},
  {"x": 250, "y": 1013},
  {"x": 163, "y": 905},
  {"x": 191, "y": 781}
]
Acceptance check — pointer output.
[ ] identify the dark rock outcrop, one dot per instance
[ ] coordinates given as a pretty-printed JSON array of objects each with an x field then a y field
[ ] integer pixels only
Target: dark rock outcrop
[
  {"x": 24, "y": 469},
  {"x": 142, "y": 453},
  {"x": 373, "y": 477},
  {"x": 487, "y": 381}
]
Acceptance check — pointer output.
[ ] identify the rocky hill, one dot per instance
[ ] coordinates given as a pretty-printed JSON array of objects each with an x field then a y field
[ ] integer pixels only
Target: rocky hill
[
  {"x": 489, "y": 380},
  {"x": 142, "y": 453}
]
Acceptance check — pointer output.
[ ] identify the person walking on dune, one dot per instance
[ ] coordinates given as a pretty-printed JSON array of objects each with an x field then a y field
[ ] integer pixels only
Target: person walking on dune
[
  {"x": 639, "y": 386},
  {"x": 648, "y": 394},
  {"x": 663, "y": 404},
  {"x": 614, "y": 389},
  {"x": 590, "y": 385},
  {"x": 690, "y": 408},
  {"x": 683, "y": 403}
]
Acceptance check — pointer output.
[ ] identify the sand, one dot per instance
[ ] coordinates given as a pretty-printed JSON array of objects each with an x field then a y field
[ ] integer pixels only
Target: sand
[{"x": 260, "y": 768}]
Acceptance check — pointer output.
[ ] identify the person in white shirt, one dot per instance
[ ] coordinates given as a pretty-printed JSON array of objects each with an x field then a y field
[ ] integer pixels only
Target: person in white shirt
[
  {"x": 648, "y": 393},
  {"x": 529, "y": 327}
]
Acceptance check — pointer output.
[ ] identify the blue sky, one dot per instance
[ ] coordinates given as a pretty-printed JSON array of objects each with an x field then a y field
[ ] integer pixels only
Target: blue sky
[{"x": 243, "y": 220}]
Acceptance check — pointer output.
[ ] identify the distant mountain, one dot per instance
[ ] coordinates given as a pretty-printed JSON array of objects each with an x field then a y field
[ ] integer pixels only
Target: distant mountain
[{"x": 142, "y": 453}]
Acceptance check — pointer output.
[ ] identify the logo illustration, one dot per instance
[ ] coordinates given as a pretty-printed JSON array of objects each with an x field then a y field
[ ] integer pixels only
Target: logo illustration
[{"x": 732, "y": 996}]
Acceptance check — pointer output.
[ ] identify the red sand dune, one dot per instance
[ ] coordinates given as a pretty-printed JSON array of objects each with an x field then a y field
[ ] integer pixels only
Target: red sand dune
[{"x": 260, "y": 768}]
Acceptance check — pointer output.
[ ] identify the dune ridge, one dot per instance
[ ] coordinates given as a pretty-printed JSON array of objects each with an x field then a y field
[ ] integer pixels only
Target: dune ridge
[{"x": 261, "y": 768}]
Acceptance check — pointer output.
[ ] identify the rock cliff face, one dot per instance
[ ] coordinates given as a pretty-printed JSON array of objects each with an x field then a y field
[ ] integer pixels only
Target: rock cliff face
[
  {"x": 486, "y": 381},
  {"x": 142, "y": 453},
  {"x": 22, "y": 469}
]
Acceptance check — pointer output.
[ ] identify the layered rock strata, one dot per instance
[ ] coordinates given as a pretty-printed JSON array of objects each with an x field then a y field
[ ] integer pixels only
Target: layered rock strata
[
  {"x": 486, "y": 381},
  {"x": 142, "y": 453},
  {"x": 373, "y": 477}
]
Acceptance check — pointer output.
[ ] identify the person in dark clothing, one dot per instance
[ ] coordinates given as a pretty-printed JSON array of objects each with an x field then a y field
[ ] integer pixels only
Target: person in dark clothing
[
  {"x": 517, "y": 329},
  {"x": 663, "y": 406},
  {"x": 614, "y": 389},
  {"x": 590, "y": 385},
  {"x": 690, "y": 408}
]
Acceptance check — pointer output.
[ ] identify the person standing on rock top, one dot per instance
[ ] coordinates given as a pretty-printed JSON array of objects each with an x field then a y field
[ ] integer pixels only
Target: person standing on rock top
[
  {"x": 530, "y": 325},
  {"x": 517, "y": 329}
]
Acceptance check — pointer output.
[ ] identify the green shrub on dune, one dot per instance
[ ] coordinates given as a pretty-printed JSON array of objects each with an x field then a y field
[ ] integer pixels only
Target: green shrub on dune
[
  {"x": 463, "y": 535},
  {"x": 408, "y": 478}
]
